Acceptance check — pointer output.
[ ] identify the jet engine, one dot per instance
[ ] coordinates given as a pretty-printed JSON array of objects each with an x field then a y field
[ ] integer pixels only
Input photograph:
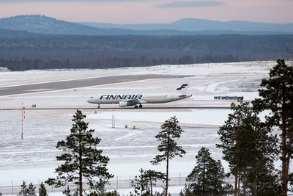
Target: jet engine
[{"x": 128, "y": 103}]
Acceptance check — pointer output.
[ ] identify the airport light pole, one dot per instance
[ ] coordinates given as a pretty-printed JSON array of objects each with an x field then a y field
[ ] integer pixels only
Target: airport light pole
[
  {"x": 113, "y": 121},
  {"x": 22, "y": 122}
]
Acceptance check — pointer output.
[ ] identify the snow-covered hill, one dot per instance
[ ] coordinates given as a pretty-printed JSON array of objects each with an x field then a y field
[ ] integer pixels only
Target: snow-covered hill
[{"x": 47, "y": 25}]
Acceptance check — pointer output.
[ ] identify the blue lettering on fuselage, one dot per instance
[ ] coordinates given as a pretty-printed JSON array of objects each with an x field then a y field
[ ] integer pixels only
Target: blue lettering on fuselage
[{"x": 121, "y": 97}]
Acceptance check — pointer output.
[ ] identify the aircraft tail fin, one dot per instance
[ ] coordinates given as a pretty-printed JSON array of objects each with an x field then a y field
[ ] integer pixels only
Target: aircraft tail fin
[{"x": 183, "y": 86}]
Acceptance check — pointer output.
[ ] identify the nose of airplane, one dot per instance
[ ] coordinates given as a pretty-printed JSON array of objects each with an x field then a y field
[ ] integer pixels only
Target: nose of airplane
[{"x": 91, "y": 100}]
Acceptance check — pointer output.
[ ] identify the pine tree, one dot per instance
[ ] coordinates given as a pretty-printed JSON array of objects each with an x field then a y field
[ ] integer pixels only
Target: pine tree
[
  {"x": 249, "y": 148},
  {"x": 144, "y": 182},
  {"x": 31, "y": 190},
  {"x": 181, "y": 193},
  {"x": 67, "y": 191},
  {"x": 80, "y": 160},
  {"x": 139, "y": 184},
  {"x": 276, "y": 94},
  {"x": 23, "y": 189},
  {"x": 152, "y": 177},
  {"x": 42, "y": 190},
  {"x": 168, "y": 147},
  {"x": 207, "y": 177}
]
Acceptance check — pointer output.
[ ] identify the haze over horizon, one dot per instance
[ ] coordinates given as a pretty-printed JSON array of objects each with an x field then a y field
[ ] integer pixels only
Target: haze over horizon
[{"x": 152, "y": 11}]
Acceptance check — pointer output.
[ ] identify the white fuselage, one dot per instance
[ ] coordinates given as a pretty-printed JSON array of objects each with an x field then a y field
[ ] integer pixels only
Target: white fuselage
[
  {"x": 135, "y": 98},
  {"x": 114, "y": 99}
]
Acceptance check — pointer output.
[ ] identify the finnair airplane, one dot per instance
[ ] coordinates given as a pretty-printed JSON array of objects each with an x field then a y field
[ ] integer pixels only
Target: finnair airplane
[{"x": 137, "y": 100}]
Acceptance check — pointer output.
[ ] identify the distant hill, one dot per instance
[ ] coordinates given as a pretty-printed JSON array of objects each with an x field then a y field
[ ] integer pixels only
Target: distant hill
[
  {"x": 200, "y": 26},
  {"x": 4, "y": 33},
  {"x": 20, "y": 35},
  {"x": 40, "y": 42},
  {"x": 39, "y": 24},
  {"x": 47, "y": 25}
]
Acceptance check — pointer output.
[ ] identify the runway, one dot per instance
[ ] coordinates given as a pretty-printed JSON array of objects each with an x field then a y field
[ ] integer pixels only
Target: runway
[
  {"x": 118, "y": 108},
  {"x": 69, "y": 84}
]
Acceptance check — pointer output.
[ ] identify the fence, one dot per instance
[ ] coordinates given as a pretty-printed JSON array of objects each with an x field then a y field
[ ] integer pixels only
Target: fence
[{"x": 115, "y": 184}]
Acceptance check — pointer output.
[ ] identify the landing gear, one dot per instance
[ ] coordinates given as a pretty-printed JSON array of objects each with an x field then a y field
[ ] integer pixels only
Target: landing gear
[{"x": 138, "y": 106}]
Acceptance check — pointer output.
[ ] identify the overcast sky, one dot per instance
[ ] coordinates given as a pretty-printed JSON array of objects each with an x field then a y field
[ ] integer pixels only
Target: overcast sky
[{"x": 152, "y": 11}]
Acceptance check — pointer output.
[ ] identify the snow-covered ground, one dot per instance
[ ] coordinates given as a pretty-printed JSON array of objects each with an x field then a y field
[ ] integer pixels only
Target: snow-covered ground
[
  {"x": 38, "y": 76},
  {"x": 33, "y": 159},
  {"x": 128, "y": 148},
  {"x": 205, "y": 81}
]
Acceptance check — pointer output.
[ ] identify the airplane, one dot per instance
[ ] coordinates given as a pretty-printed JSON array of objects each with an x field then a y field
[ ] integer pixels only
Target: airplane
[{"x": 137, "y": 100}]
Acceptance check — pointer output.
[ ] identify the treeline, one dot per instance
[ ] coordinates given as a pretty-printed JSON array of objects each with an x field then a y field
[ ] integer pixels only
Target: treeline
[{"x": 51, "y": 51}]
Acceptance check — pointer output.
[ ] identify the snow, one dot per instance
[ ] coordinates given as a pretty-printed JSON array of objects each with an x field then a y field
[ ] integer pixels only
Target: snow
[
  {"x": 202, "y": 116},
  {"x": 129, "y": 149},
  {"x": 39, "y": 76},
  {"x": 33, "y": 159},
  {"x": 205, "y": 81}
]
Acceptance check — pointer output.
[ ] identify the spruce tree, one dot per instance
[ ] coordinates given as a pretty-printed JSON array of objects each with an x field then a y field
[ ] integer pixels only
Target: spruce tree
[
  {"x": 80, "y": 159},
  {"x": 168, "y": 147},
  {"x": 207, "y": 177},
  {"x": 249, "y": 148},
  {"x": 258, "y": 146},
  {"x": 276, "y": 94},
  {"x": 229, "y": 137},
  {"x": 42, "y": 190}
]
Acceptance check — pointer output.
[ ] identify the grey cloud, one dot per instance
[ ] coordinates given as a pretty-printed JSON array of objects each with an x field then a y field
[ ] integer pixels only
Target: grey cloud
[{"x": 186, "y": 4}]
